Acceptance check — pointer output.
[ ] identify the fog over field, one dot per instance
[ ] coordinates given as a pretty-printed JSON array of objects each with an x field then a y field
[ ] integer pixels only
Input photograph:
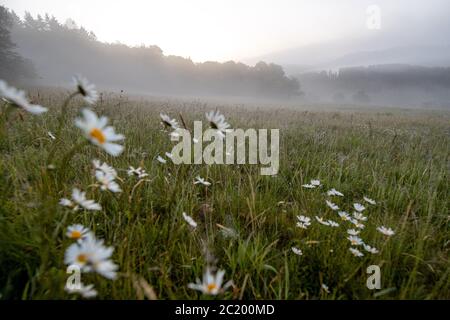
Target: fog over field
[
  {"x": 224, "y": 150},
  {"x": 395, "y": 54}
]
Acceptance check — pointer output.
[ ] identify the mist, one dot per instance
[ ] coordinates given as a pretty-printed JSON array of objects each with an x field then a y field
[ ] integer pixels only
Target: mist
[
  {"x": 58, "y": 50},
  {"x": 331, "y": 57}
]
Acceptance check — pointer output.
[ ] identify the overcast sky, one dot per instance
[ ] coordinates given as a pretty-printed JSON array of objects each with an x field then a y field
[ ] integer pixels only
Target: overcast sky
[{"x": 238, "y": 29}]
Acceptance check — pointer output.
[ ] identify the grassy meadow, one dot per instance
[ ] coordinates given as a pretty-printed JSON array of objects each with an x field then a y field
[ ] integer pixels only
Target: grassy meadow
[{"x": 247, "y": 223}]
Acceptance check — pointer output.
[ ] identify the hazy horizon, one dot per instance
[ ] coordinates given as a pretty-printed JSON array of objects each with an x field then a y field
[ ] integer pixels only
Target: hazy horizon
[
  {"x": 231, "y": 30},
  {"x": 323, "y": 52}
]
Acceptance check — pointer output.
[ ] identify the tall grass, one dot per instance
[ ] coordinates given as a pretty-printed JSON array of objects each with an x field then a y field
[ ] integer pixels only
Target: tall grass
[{"x": 397, "y": 157}]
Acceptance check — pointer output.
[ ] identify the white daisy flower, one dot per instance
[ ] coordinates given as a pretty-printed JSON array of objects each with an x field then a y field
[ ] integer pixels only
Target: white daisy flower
[
  {"x": 353, "y": 232},
  {"x": 132, "y": 171},
  {"x": 86, "y": 89},
  {"x": 202, "y": 181},
  {"x": 189, "y": 220},
  {"x": 106, "y": 268},
  {"x": 359, "y": 216},
  {"x": 107, "y": 182},
  {"x": 386, "y": 231},
  {"x": 217, "y": 121},
  {"x": 18, "y": 99},
  {"x": 169, "y": 155},
  {"x": 344, "y": 215},
  {"x": 313, "y": 184},
  {"x": 356, "y": 252},
  {"x": 325, "y": 288},
  {"x": 143, "y": 174},
  {"x": 359, "y": 207},
  {"x": 304, "y": 219},
  {"x": 91, "y": 256},
  {"x": 77, "y": 231},
  {"x": 333, "y": 224},
  {"x": 96, "y": 132},
  {"x": 321, "y": 221},
  {"x": 104, "y": 167},
  {"x": 79, "y": 200},
  {"x": 85, "y": 291},
  {"x": 168, "y": 121},
  {"x": 370, "y": 249},
  {"x": 334, "y": 192},
  {"x": 139, "y": 172},
  {"x": 303, "y": 222},
  {"x": 355, "y": 240},
  {"x": 302, "y": 225},
  {"x": 357, "y": 224},
  {"x": 370, "y": 201},
  {"x": 174, "y": 135},
  {"x": 332, "y": 205},
  {"x": 66, "y": 203},
  {"x": 211, "y": 284},
  {"x": 297, "y": 251},
  {"x": 51, "y": 135},
  {"x": 161, "y": 160}
]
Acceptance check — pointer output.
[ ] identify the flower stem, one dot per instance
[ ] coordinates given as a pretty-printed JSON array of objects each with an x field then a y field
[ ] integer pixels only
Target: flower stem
[{"x": 62, "y": 115}]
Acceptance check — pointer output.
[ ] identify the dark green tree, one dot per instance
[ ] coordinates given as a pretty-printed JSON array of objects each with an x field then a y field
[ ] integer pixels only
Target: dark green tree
[{"x": 12, "y": 66}]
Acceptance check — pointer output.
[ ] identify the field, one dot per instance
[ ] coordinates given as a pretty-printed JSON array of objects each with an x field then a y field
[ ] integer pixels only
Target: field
[{"x": 247, "y": 223}]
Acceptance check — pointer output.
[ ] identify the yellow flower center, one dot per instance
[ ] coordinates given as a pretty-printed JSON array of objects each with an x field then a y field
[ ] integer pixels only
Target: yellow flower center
[
  {"x": 82, "y": 258},
  {"x": 75, "y": 234},
  {"x": 98, "y": 135},
  {"x": 211, "y": 287}
]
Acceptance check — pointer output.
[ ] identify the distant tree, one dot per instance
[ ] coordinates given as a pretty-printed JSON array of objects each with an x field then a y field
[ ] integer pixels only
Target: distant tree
[
  {"x": 393, "y": 84},
  {"x": 61, "y": 49},
  {"x": 12, "y": 66},
  {"x": 70, "y": 24}
]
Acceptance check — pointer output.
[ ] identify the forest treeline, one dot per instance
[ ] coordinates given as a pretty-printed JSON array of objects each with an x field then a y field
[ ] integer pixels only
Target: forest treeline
[
  {"x": 13, "y": 67},
  {"x": 60, "y": 50},
  {"x": 392, "y": 84},
  {"x": 45, "y": 51}
]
